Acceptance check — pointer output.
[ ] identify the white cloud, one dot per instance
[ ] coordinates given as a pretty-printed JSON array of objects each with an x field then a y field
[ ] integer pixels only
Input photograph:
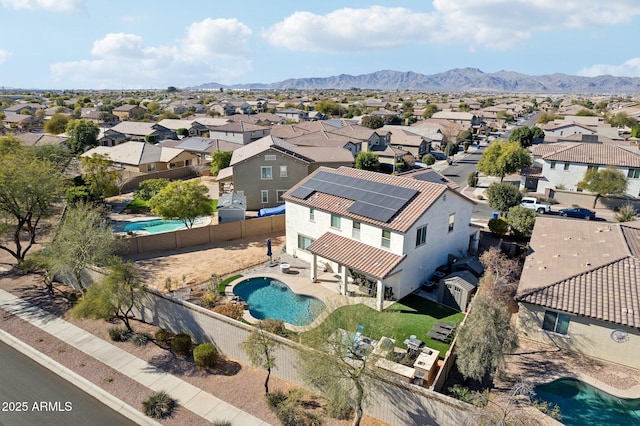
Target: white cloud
[
  {"x": 4, "y": 55},
  {"x": 500, "y": 24},
  {"x": 54, "y": 5},
  {"x": 630, "y": 68},
  {"x": 213, "y": 49}
]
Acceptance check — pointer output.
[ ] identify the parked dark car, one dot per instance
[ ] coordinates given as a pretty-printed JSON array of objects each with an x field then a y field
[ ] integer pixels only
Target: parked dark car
[{"x": 579, "y": 212}]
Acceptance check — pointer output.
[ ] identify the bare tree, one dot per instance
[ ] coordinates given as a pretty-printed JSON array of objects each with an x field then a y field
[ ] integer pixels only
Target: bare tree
[{"x": 260, "y": 349}]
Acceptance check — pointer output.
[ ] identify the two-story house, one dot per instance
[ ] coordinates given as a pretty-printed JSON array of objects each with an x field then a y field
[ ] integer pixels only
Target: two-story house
[
  {"x": 393, "y": 230},
  {"x": 129, "y": 112},
  {"x": 239, "y": 132},
  {"x": 139, "y": 131}
]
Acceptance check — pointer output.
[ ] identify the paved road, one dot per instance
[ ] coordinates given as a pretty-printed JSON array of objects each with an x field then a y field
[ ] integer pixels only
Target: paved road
[{"x": 25, "y": 381}]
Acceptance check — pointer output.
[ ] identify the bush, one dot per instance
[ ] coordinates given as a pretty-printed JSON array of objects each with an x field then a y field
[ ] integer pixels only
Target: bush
[
  {"x": 428, "y": 159},
  {"x": 498, "y": 226},
  {"x": 163, "y": 337},
  {"x": 472, "y": 179},
  {"x": 205, "y": 355},
  {"x": 159, "y": 405},
  {"x": 140, "y": 339},
  {"x": 477, "y": 398},
  {"x": 209, "y": 299},
  {"x": 626, "y": 213},
  {"x": 181, "y": 344},
  {"x": 275, "y": 326},
  {"x": 148, "y": 188},
  {"x": 276, "y": 398},
  {"x": 231, "y": 310},
  {"x": 119, "y": 334},
  {"x": 288, "y": 408},
  {"x": 221, "y": 423}
]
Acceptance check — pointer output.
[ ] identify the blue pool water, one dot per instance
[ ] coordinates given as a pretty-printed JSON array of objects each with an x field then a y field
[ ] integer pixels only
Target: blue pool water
[
  {"x": 582, "y": 404},
  {"x": 154, "y": 226},
  {"x": 273, "y": 299}
]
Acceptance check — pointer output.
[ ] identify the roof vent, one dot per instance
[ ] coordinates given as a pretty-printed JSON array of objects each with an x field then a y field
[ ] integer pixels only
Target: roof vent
[
  {"x": 542, "y": 268},
  {"x": 605, "y": 254},
  {"x": 556, "y": 255},
  {"x": 587, "y": 264}
]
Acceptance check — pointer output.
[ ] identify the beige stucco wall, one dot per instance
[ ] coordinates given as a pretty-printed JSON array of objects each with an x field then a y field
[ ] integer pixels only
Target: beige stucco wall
[{"x": 585, "y": 335}]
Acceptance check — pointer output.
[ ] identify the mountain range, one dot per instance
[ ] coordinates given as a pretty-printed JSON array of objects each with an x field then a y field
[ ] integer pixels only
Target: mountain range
[{"x": 455, "y": 80}]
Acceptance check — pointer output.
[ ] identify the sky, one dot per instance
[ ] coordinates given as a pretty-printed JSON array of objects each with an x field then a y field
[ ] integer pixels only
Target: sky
[{"x": 143, "y": 44}]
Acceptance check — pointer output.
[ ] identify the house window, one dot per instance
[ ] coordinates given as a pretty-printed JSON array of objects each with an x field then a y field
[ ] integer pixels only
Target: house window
[
  {"x": 265, "y": 173},
  {"x": 553, "y": 165},
  {"x": 452, "y": 221},
  {"x": 283, "y": 171},
  {"x": 304, "y": 242},
  {"x": 593, "y": 168},
  {"x": 279, "y": 194},
  {"x": 172, "y": 165},
  {"x": 566, "y": 166},
  {"x": 264, "y": 195},
  {"x": 151, "y": 167},
  {"x": 335, "y": 221},
  {"x": 556, "y": 322},
  {"x": 421, "y": 236},
  {"x": 386, "y": 238},
  {"x": 269, "y": 157},
  {"x": 312, "y": 214},
  {"x": 634, "y": 174},
  {"x": 355, "y": 230}
]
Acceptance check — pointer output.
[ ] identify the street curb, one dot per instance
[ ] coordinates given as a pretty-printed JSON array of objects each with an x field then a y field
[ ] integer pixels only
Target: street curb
[{"x": 75, "y": 379}]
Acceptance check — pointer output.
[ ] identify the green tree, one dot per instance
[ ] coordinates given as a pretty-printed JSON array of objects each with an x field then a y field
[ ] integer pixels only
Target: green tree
[
  {"x": 260, "y": 349},
  {"x": 119, "y": 293},
  {"x": 585, "y": 113},
  {"x": 84, "y": 238},
  {"x": 183, "y": 201},
  {"x": 521, "y": 220},
  {"x": 502, "y": 158},
  {"x": 451, "y": 149},
  {"x": 328, "y": 106},
  {"x": 100, "y": 175},
  {"x": 83, "y": 135},
  {"x": 609, "y": 181},
  {"x": 372, "y": 121},
  {"x": 150, "y": 139},
  {"x": 538, "y": 133},
  {"x": 56, "y": 124},
  {"x": 30, "y": 189},
  {"x": 545, "y": 118},
  {"x": 220, "y": 160},
  {"x": 428, "y": 159},
  {"x": 485, "y": 337},
  {"x": 635, "y": 131},
  {"x": 147, "y": 189},
  {"x": 182, "y": 132},
  {"x": 57, "y": 155},
  {"x": 366, "y": 160},
  {"x": 622, "y": 119},
  {"x": 522, "y": 135},
  {"x": 503, "y": 196},
  {"x": 172, "y": 89},
  {"x": 429, "y": 110}
]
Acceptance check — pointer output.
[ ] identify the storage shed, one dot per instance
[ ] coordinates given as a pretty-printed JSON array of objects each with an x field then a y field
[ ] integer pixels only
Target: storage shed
[
  {"x": 457, "y": 288},
  {"x": 231, "y": 207}
]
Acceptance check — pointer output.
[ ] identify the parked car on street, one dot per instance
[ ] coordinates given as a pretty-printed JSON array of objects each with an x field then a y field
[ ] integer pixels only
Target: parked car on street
[
  {"x": 578, "y": 212},
  {"x": 532, "y": 203}
]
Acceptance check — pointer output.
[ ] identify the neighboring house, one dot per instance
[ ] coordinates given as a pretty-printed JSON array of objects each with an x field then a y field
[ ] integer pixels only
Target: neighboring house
[
  {"x": 40, "y": 139},
  {"x": 138, "y": 131},
  {"x": 293, "y": 114},
  {"x": 110, "y": 137},
  {"x": 20, "y": 122},
  {"x": 239, "y": 132},
  {"x": 580, "y": 288},
  {"x": 403, "y": 137},
  {"x": 194, "y": 127},
  {"x": 142, "y": 157},
  {"x": 565, "y": 164},
  {"x": 564, "y": 128},
  {"x": 19, "y": 107},
  {"x": 265, "y": 169},
  {"x": 98, "y": 117},
  {"x": 129, "y": 112},
  {"x": 395, "y": 231},
  {"x": 466, "y": 119},
  {"x": 202, "y": 147}
]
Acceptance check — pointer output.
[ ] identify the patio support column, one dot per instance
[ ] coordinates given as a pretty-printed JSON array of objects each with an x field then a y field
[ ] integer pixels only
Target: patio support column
[
  {"x": 379, "y": 295},
  {"x": 314, "y": 268},
  {"x": 343, "y": 281}
]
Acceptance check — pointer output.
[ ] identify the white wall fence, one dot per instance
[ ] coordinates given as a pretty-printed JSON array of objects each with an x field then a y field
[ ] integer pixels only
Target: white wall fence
[{"x": 396, "y": 403}]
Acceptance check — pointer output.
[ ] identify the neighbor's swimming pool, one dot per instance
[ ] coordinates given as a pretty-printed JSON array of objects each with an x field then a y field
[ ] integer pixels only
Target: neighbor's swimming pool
[
  {"x": 154, "y": 226},
  {"x": 582, "y": 404},
  {"x": 269, "y": 298}
]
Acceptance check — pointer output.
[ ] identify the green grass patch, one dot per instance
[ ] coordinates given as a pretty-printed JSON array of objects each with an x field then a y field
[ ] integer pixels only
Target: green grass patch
[
  {"x": 214, "y": 205},
  {"x": 413, "y": 315},
  {"x": 137, "y": 204},
  {"x": 224, "y": 283}
]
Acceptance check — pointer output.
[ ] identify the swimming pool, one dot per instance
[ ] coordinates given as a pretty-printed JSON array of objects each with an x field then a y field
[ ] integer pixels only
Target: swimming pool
[
  {"x": 271, "y": 298},
  {"x": 154, "y": 226},
  {"x": 582, "y": 404}
]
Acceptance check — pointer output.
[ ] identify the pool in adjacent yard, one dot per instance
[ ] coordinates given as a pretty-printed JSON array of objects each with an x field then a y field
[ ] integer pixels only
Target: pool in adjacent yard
[
  {"x": 269, "y": 298},
  {"x": 582, "y": 404},
  {"x": 154, "y": 226}
]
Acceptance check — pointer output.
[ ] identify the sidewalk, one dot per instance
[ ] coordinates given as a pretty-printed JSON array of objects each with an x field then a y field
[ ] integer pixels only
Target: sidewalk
[{"x": 192, "y": 398}]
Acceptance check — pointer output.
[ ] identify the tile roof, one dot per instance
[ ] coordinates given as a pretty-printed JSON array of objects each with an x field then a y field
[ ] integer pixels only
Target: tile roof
[
  {"x": 362, "y": 257},
  {"x": 428, "y": 193},
  {"x": 264, "y": 144},
  {"x": 588, "y": 269},
  {"x": 596, "y": 153},
  {"x": 238, "y": 127},
  {"x": 136, "y": 153},
  {"x": 430, "y": 175}
]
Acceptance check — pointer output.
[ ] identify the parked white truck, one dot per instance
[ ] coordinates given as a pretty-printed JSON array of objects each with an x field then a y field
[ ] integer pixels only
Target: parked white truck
[{"x": 532, "y": 203}]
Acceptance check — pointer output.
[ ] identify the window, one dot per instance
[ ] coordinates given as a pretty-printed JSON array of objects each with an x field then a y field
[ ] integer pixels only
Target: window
[
  {"x": 283, "y": 171},
  {"x": 355, "y": 230},
  {"x": 634, "y": 174},
  {"x": 566, "y": 166},
  {"x": 452, "y": 221},
  {"x": 593, "y": 168},
  {"x": 269, "y": 157},
  {"x": 172, "y": 165},
  {"x": 264, "y": 194},
  {"x": 386, "y": 238},
  {"x": 421, "y": 236},
  {"x": 556, "y": 322},
  {"x": 312, "y": 214},
  {"x": 265, "y": 173},
  {"x": 279, "y": 194},
  {"x": 553, "y": 165},
  {"x": 304, "y": 242},
  {"x": 335, "y": 221}
]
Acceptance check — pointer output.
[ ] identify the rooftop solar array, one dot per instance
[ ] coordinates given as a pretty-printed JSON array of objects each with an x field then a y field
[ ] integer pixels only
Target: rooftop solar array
[{"x": 378, "y": 201}]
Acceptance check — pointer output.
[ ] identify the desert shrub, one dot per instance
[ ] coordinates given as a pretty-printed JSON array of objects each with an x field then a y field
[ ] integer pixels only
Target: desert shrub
[
  {"x": 498, "y": 226},
  {"x": 275, "y": 326},
  {"x": 477, "y": 398},
  {"x": 221, "y": 423},
  {"x": 205, "y": 355},
  {"x": 289, "y": 408},
  {"x": 119, "y": 334},
  {"x": 163, "y": 337},
  {"x": 231, "y": 310},
  {"x": 159, "y": 405},
  {"x": 181, "y": 344},
  {"x": 626, "y": 213},
  {"x": 429, "y": 159},
  {"x": 209, "y": 299},
  {"x": 140, "y": 339},
  {"x": 276, "y": 398},
  {"x": 472, "y": 179}
]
